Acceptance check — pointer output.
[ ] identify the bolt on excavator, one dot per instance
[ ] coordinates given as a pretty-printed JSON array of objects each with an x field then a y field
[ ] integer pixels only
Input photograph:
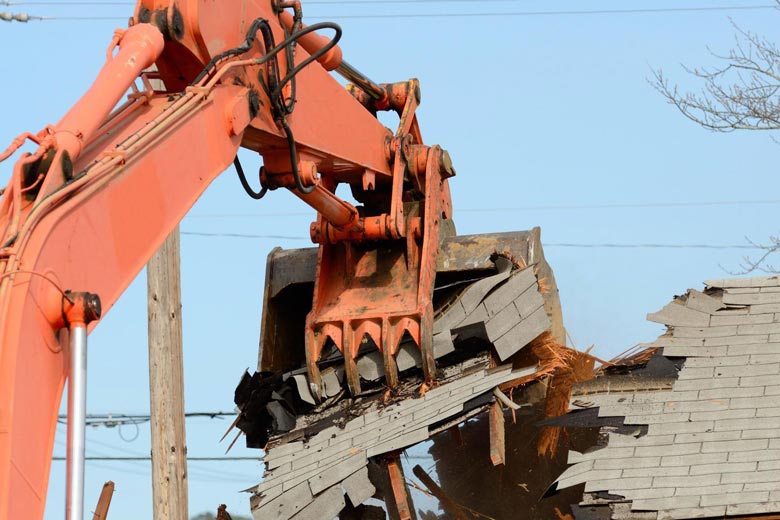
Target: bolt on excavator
[{"x": 107, "y": 183}]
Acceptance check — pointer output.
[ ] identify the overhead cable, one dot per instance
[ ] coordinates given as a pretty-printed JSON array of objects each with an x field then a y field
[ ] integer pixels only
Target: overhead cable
[
  {"x": 561, "y": 13},
  {"x": 190, "y": 459},
  {"x": 243, "y": 235},
  {"x": 545, "y": 244},
  {"x": 308, "y": 2},
  {"x": 694, "y": 9},
  {"x": 111, "y": 420},
  {"x": 549, "y": 207},
  {"x": 196, "y": 459},
  {"x": 652, "y": 246}
]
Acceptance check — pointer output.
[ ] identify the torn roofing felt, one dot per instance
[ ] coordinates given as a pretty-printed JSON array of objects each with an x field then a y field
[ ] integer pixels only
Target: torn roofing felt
[{"x": 703, "y": 444}]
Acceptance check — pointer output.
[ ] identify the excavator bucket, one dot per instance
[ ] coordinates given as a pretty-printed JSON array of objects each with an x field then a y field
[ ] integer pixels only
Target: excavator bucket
[{"x": 461, "y": 262}]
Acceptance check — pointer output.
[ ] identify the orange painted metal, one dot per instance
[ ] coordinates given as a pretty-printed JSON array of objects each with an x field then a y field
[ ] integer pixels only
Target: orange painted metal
[
  {"x": 377, "y": 292},
  {"x": 90, "y": 206}
]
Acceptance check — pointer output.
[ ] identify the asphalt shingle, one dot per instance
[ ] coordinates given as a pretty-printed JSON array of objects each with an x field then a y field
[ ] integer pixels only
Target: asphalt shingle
[{"x": 712, "y": 445}]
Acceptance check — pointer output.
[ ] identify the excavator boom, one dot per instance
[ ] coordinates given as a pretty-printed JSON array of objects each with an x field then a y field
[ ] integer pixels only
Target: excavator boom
[{"x": 84, "y": 212}]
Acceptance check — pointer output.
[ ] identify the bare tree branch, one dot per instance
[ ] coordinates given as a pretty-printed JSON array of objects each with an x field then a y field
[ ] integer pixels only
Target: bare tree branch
[
  {"x": 749, "y": 265},
  {"x": 741, "y": 93}
]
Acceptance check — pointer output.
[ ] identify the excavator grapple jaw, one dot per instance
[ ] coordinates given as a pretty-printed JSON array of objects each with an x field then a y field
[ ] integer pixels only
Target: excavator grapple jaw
[{"x": 461, "y": 261}]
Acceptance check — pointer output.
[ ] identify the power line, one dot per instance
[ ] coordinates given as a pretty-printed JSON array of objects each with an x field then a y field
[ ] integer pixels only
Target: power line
[
  {"x": 553, "y": 207},
  {"x": 560, "y": 13},
  {"x": 622, "y": 205},
  {"x": 212, "y": 472},
  {"x": 189, "y": 459},
  {"x": 308, "y": 2},
  {"x": 147, "y": 458},
  {"x": 652, "y": 246},
  {"x": 661, "y": 10},
  {"x": 198, "y": 474},
  {"x": 545, "y": 244},
  {"x": 210, "y": 415},
  {"x": 192, "y": 474},
  {"x": 6, "y": 2},
  {"x": 241, "y": 235},
  {"x": 111, "y": 420}
]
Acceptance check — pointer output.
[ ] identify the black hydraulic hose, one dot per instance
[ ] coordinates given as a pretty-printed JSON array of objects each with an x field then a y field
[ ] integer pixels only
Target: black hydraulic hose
[
  {"x": 260, "y": 24},
  {"x": 282, "y": 107},
  {"x": 247, "y": 188},
  {"x": 294, "y": 160},
  {"x": 311, "y": 28}
]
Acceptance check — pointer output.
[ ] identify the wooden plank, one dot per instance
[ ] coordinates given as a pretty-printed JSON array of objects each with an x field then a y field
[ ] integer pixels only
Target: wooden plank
[
  {"x": 166, "y": 383},
  {"x": 104, "y": 502},
  {"x": 401, "y": 496},
  {"x": 497, "y": 442},
  {"x": 450, "y": 506}
]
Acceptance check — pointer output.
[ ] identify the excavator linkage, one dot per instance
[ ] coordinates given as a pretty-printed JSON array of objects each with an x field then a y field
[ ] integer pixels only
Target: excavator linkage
[
  {"x": 85, "y": 211},
  {"x": 290, "y": 283}
]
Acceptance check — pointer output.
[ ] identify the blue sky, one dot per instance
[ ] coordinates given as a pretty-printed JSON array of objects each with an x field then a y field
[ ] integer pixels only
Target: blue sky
[{"x": 535, "y": 111}]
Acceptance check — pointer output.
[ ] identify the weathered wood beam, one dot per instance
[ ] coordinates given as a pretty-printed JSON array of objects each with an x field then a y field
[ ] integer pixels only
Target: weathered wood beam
[
  {"x": 450, "y": 507},
  {"x": 104, "y": 502}
]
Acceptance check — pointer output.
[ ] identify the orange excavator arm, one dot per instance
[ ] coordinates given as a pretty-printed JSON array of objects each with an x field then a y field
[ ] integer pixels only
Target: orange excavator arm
[{"x": 83, "y": 213}]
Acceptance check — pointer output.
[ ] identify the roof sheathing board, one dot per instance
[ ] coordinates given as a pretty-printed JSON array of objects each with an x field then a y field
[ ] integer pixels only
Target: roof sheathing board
[
  {"x": 337, "y": 456},
  {"x": 712, "y": 446}
]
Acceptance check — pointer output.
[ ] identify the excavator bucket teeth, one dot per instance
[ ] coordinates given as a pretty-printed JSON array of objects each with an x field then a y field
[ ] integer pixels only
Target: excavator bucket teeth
[{"x": 289, "y": 287}]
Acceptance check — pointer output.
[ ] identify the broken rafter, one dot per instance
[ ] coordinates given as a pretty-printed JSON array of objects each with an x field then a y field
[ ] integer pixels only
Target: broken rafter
[
  {"x": 450, "y": 507},
  {"x": 497, "y": 444},
  {"x": 104, "y": 502},
  {"x": 401, "y": 497}
]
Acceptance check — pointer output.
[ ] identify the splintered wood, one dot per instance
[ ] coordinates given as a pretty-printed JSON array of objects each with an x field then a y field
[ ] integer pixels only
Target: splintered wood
[{"x": 104, "y": 502}]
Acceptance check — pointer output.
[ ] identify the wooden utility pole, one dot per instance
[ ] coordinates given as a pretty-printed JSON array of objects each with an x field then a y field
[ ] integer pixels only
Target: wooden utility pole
[{"x": 166, "y": 382}]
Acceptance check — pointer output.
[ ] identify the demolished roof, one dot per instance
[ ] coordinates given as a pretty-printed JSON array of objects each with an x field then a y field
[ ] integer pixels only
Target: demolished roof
[
  {"x": 302, "y": 473},
  {"x": 494, "y": 329},
  {"x": 699, "y": 438}
]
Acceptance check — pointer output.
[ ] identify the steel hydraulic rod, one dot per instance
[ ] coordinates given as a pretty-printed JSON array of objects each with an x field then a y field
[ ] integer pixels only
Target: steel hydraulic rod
[
  {"x": 350, "y": 73},
  {"x": 77, "y": 412}
]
